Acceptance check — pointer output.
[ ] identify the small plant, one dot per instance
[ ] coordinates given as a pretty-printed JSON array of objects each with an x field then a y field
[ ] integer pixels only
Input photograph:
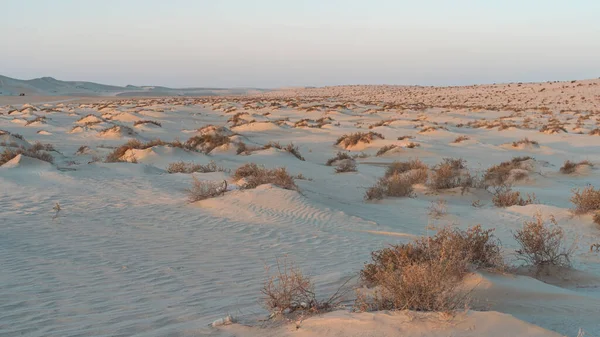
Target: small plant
[
  {"x": 504, "y": 196},
  {"x": 460, "y": 139},
  {"x": 406, "y": 137},
  {"x": 543, "y": 243},
  {"x": 202, "y": 189},
  {"x": 183, "y": 167},
  {"x": 347, "y": 165},
  {"x": 385, "y": 149},
  {"x": 570, "y": 167},
  {"x": 586, "y": 200},
  {"x": 498, "y": 175},
  {"x": 449, "y": 174},
  {"x": 288, "y": 291},
  {"x": 358, "y": 137},
  {"x": 338, "y": 157},
  {"x": 291, "y": 148},
  {"x": 525, "y": 142},
  {"x": 142, "y": 122},
  {"x": 206, "y": 142},
  {"x": 438, "y": 208}
]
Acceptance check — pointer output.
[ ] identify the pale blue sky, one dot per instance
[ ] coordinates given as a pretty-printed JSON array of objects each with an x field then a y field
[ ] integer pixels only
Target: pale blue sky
[{"x": 272, "y": 43}]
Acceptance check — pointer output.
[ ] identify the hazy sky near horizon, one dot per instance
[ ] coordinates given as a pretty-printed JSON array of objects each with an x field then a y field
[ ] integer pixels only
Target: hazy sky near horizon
[{"x": 273, "y": 43}]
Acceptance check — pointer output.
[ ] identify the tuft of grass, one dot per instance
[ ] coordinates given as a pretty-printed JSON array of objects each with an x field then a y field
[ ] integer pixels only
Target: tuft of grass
[
  {"x": 460, "y": 139},
  {"x": 358, "y": 137},
  {"x": 570, "y": 167},
  {"x": 142, "y": 122},
  {"x": 525, "y": 141},
  {"x": 339, "y": 156},
  {"x": 183, "y": 167},
  {"x": 385, "y": 149}
]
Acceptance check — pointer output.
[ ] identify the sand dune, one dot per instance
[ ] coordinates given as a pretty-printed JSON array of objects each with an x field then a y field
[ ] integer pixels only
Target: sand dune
[{"x": 128, "y": 254}]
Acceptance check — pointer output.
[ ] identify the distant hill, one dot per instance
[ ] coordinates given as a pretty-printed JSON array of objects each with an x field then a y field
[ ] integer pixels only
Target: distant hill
[{"x": 48, "y": 86}]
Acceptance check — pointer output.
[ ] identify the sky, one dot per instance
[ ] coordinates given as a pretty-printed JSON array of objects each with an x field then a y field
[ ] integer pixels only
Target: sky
[{"x": 280, "y": 43}]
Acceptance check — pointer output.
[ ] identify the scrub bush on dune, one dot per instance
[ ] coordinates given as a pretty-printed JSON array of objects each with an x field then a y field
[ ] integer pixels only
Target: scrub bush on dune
[{"x": 426, "y": 274}]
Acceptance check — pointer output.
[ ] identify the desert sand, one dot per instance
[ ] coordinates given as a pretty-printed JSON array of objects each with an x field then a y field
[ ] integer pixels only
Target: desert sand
[{"x": 90, "y": 247}]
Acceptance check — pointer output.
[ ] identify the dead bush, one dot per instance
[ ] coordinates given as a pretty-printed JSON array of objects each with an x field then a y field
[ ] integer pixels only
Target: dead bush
[
  {"x": 406, "y": 137},
  {"x": 450, "y": 173},
  {"x": 385, "y": 149},
  {"x": 460, "y": 139},
  {"x": 183, "y": 167},
  {"x": 346, "y": 165},
  {"x": 396, "y": 185},
  {"x": 570, "y": 167},
  {"x": 586, "y": 200},
  {"x": 288, "y": 291},
  {"x": 291, "y": 148},
  {"x": 498, "y": 175},
  {"x": 525, "y": 141},
  {"x": 142, "y": 122},
  {"x": 402, "y": 167},
  {"x": 358, "y": 137},
  {"x": 339, "y": 156},
  {"x": 543, "y": 243},
  {"x": 425, "y": 274},
  {"x": 255, "y": 176},
  {"x": 504, "y": 196},
  {"x": 438, "y": 208},
  {"x": 206, "y": 142},
  {"x": 202, "y": 189}
]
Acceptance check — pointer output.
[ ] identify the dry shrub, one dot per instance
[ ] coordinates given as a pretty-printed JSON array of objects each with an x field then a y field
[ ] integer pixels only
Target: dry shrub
[
  {"x": 358, "y": 137},
  {"x": 183, "y": 167},
  {"x": 202, "y": 189},
  {"x": 385, "y": 149},
  {"x": 570, "y": 167},
  {"x": 339, "y": 156},
  {"x": 460, "y": 139},
  {"x": 207, "y": 142},
  {"x": 498, "y": 175},
  {"x": 449, "y": 174},
  {"x": 543, "y": 243},
  {"x": 425, "y": 275},
  {"x": 396, "y": 185},
  {"x": 504, "y": 196},
  {"x": 438, "y": 208},
  {"x": 346, "y": 165},
  {"x": 586, "y": 200},
  {"x": 406, "y": 137},
  {"x": 595, "y": 132},
  {"x": 141, "y": 122},
  {"x": 40, "y": 119},
  {"x": 525, "y": 141},
  {"x": 412, "y": 145},
  {"x": 402, "y": 167},
  {"x": 255, "y": 176},
  {"x": 288, "y": 291},
  {"x": 291, "y": 148}
]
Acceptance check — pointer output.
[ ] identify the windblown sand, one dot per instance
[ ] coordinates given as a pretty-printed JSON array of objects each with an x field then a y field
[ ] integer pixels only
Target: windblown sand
[{"x": 127, "y": 254}]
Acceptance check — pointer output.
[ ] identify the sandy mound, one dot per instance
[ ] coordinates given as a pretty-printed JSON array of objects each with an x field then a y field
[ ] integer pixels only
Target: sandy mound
[
  {"x": 44, "y": 132},
  {"x": 346, "y": 324},
  {"x": 27, "y": 163},
  {"x": 257, "y": 127},
  {"x": 214, "y": 130},
  {"x": 162, "y": 156},
  {"x": 89, "y": 119},
  {"x": 125, "y": 117},
  {"x": 117, "y": 131}
]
